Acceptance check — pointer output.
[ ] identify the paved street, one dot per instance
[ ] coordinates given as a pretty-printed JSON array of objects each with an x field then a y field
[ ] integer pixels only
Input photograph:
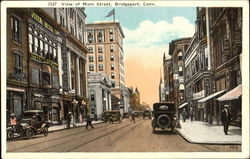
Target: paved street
[{"x": 123, "y": 137}]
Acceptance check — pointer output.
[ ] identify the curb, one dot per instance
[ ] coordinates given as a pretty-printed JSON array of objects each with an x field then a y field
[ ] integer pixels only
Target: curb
[
  {"x": 207, "y": 142},
  {"x": 72, "y": 127}
]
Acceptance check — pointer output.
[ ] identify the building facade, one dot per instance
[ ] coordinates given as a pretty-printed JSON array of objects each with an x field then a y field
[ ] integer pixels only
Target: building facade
[
  {"x": 17, "y": 62},
  {"x": 166, "y": 77},
  {"x": 106, "y": 55},
  {"x": 99, "y": 86},
  {"x": 225, "y": 28},
  {"x": 177, "y": 49}
]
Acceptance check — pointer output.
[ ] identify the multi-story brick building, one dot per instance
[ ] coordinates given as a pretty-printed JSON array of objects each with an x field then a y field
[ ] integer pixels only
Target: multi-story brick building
[
  {"x": 105, "y": 43},
  {"x": 225, "y": 28},
  {"x": 17, "y": 61}
]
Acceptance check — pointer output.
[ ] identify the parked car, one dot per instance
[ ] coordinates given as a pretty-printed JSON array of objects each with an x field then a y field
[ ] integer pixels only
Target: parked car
[
  {"x": 164, "y": 116},
  {"x": 32, "y": 123}
]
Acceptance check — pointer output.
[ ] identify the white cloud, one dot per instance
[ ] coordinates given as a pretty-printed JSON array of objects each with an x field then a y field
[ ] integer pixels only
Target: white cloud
[{"x": 149, "y": 33}]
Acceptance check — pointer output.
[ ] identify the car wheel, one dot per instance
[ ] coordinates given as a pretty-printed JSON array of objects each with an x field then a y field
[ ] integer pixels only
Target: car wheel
[
  {"x": 10, "y": 135},
  {"x": 45, "y": 131},
  {"x": 29, "y": 133}
]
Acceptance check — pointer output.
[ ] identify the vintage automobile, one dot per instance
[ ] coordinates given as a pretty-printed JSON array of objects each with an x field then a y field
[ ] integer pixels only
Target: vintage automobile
[
  {"x": 32, "y": 123},
  {"x": 125, "y": 115},
  {"x": 111, "y": 116},
  {"x": 146, "y": 114},
  {"x": 164, "y": 116}
]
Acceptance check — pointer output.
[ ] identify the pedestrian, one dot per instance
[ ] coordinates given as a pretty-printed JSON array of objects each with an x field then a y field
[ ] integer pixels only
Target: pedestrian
[
  {"x": 13, "y": 120},
  {"x": 225, "y": 118},
  {"x": 132, "y": 117},
  {"x": 89, "y": 121},
  {"x": 95, "y": 115},
  {"x": 184, "y": 115},
  {"x": 68, "y": 120},
  {"x": 110, "y": 119},
  {"x": 191, "y": 113}
]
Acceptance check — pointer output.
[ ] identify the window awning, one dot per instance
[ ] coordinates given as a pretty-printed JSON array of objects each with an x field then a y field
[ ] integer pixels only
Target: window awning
[
  {"x": 211, "y": 96},
  {"x": 233, "y": 94},
  {"x": 183, "y": 105}
]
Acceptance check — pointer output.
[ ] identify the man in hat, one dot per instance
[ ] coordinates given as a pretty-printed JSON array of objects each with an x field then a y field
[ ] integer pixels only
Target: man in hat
[
  {"x": 225, "y": 118},
  {"x": 89, "y": 121}
]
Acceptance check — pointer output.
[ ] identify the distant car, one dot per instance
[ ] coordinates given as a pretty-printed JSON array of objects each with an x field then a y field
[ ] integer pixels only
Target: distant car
[
  {"x": 125, "y": 115},
  {"x": 147, "y": 114},
  {"x": 111, "y": 115},
  {"x": 32, "y": 123},
  {"x": 164, "y": 116}
]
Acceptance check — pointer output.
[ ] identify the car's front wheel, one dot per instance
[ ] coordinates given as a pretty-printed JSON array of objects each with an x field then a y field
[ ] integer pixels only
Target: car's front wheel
[
  {"x": 10, "y": 135},
  {"x": 45, "y": 131},
  {"x": 29, "y": 133}
]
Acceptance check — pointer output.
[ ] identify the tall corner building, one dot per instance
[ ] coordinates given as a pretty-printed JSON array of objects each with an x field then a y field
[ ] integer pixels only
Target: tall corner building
[{"x": 105, "y": 43}]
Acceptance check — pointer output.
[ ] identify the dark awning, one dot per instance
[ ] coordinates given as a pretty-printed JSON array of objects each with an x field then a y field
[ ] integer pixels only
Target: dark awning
[{"x": 233, "y": 94}]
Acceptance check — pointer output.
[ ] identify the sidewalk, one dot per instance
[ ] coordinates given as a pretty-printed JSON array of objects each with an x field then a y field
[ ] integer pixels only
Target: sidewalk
[
  {"x": 64, "y": 126},
  {"x": 202, "y": 132}
]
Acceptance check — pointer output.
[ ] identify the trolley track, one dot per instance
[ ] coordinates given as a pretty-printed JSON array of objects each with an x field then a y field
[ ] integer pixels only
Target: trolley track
[
  {"x": 63, "y": 146},
  {"x": 102, "y": 128}
]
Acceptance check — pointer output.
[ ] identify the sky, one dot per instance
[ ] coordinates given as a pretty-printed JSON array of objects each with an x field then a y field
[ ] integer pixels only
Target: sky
[{"x": 148, "y": 31}]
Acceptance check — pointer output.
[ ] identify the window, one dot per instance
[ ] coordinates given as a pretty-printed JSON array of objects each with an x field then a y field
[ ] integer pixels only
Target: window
[
  {"x": 180, "y": 56},
  {"x": 113, "y": 84},
  {"x": 18, "y": 62},
  {"x": 16, "y": 29},
  {"x": 80, "y": 23},
  {"x": 41, "y": 44},
  {"x": 72, "y": 30},
  {"x": 111, "y": 48},
  {"x": 91, "y": 67},
  {"x": 100, "y": 58},
  {"x": 46, "y": 78},
  {"x": 100, "y": 49},
  {"x": 100, "y": 35},
  {"x": 111, "y": 38},
  {"x": 62, "y": 20},
  {"x": 55, "y": 81},
  {"x": 100, "y": 67},
  {"x": 91, "y": 58},
  {"x": 90, "y": 36},
  {"x": 110, "y": 31},
  {"x": 112, "y": 75},
  {"x": 35, "y": 44},
  {"x": 72, "y": 14},
  {"x": 92, "y": 96},
  {"x": 112, "y": 57},
  {"x": 90, "y": 49},
  {"x": 31, "y": 42},
  {"x": 35, "y": 76},
  {"x": 112, "y": 66}
]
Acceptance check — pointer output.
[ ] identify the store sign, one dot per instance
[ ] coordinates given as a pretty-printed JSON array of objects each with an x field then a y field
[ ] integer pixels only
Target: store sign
[
  {"x": 44, "y": 23},
  {"x": 42, "y": 59}
]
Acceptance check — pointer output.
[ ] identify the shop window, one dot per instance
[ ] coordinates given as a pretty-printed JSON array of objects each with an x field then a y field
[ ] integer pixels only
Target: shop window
[{"x": 16, "y": 29}]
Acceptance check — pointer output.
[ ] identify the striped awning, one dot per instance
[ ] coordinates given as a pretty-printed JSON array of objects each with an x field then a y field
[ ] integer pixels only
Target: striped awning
[
  {"x": 183, "y": 105},
  {"x": 211, "y": 96}
]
